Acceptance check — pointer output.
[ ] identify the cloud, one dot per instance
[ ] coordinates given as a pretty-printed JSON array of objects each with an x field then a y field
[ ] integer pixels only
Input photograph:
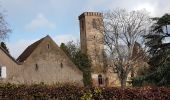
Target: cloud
[
  {"x": 155, "y": 7},
  {"x": 64, "y": 38},
  {"x": 40, "y": 22},
  {"x": 19, "y": 47}
]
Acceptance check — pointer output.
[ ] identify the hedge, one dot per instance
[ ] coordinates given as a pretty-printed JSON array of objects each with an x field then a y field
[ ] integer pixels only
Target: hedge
[{"x": 70, "y": 92}]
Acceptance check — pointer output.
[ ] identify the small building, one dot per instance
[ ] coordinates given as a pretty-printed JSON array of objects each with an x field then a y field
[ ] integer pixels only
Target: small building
[{"x": 42, "y": 61}]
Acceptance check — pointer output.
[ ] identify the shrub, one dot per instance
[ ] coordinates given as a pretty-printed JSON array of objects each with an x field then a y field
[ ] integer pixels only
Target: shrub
[{"x": 71, "y": 92}]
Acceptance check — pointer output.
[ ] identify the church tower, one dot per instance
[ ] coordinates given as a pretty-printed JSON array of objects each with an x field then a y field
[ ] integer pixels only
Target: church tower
[{"x": 92, "y": 42}]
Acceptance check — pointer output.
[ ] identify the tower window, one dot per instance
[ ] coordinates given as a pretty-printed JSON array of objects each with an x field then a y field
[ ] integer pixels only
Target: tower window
[
  {"x": 94, "y": 23},
  {"x": 100, "y": 79}
]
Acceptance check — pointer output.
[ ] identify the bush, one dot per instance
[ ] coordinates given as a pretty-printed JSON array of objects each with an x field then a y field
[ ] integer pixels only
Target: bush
[{"x": 70, "y": 92}]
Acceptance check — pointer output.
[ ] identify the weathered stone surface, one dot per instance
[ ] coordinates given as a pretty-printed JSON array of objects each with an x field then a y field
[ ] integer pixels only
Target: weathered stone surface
[
  {"x": 91, "y": 37},
  {"x": 47, "y": 63},
  {"x": 92, "y": 42}
]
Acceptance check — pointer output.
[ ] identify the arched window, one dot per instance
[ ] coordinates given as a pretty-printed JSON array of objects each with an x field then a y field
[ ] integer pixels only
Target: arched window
[{"x": 100, "y": 79}]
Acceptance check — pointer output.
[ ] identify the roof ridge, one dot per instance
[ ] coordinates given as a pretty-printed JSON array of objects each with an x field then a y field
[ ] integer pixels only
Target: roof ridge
[
  {"x": 28, "y": 51},
  {"x": 8, "y": 54}
]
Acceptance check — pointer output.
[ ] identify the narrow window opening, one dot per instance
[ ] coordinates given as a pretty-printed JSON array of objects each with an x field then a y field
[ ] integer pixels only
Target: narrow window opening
[
  {"x": 0, "y": 71},
  {"x": 94, "y": 23},
  {"x": 61, "y": 65},
  {"x": 48, "y": 46},
  {"x": 36, "y": 67},
  {"x": 100, "y": 79}
]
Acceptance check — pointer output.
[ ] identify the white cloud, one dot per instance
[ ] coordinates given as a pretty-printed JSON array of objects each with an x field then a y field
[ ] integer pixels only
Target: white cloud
[
  {"x": 40, "y": 22},
  {"x": 155, "y": 7},
  {"x": 19, "y": 47},
  {"x": 64, "y": 38}
]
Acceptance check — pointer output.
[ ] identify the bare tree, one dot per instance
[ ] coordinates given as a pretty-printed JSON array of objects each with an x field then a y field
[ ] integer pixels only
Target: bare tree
[
  {"x": 122, "y": 29},
  {"x": 4, "y": 28}
]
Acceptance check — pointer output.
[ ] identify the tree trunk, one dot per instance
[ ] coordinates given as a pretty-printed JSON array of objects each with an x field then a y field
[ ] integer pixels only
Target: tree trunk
[{"x": 123, "y": 83}]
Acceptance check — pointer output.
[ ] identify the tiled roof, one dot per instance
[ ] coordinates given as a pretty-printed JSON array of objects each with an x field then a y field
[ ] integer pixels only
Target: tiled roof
[
  {"x": 28, "y": 51},
  {"x": 13, "y": 59}
]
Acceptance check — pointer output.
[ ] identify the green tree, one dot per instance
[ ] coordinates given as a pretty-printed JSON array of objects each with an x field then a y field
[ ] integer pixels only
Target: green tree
[
  {"x": 81, "y": 60},
  {"x": 65, "y": 49},
  {"x": 159, "y": 51},
  {"x": 84, "y": 64}
]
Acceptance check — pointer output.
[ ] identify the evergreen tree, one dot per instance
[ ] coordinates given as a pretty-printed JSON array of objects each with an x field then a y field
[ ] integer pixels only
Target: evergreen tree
[
  {"x": 79, "y": 59},
  {"x": 159, "y": 51}
]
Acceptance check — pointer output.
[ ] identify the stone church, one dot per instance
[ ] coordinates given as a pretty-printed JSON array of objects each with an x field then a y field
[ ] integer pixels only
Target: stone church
[
  {"x": 92, "y": 44},
  {"x": 43, "y": 61}
]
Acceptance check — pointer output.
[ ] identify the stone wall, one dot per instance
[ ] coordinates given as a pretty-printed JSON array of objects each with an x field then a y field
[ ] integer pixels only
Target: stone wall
[
  {"x": 12, "y": 67},
  {"x": 47, "y": 64},
  {"x": 92, "y": 41}
]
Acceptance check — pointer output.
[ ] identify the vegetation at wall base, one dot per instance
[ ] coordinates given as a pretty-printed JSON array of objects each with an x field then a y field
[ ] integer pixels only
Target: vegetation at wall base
[{"x": 71, "y": 92}]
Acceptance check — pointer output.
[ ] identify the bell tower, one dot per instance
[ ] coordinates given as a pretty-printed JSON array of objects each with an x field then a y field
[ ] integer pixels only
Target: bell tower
[{"x": 92, "y": 40}]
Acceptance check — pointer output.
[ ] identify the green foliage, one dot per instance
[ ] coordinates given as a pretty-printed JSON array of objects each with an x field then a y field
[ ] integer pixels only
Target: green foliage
[
  {"x": 80, "y": 60},
  {"x": 71, "y": 92},
  {"x": 163, "y": 21},
  {"x": 65, "y": 49},
  {"x": 87, "y": 96},
  {"x": 83, "y": 63},
  {"x": 87, "y": 80},
  {"x": 159, "y": 70},
  {"x": 138, "y": 81}
]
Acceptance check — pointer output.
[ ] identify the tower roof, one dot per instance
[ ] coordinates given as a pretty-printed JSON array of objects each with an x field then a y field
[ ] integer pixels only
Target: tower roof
[{"x": 90, "y": 14}]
